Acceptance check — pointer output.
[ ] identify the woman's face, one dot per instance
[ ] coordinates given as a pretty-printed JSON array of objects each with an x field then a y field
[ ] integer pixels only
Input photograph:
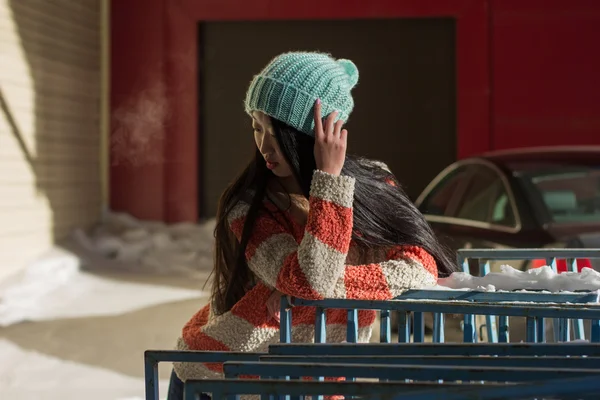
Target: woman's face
[{"x": 265, "y": 139}]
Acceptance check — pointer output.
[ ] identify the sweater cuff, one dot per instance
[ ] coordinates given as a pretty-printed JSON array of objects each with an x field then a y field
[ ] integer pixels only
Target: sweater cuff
[{"x": 336, "y": 189}]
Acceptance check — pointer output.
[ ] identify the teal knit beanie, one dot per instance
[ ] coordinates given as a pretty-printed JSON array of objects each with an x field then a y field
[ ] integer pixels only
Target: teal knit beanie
[{"x": 289, "y": 86}]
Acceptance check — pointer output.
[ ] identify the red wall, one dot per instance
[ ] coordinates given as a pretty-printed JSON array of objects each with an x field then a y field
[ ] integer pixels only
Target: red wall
[
  {"x": 526, "y": 75},
  {"x": 137, "y": 43},
  {"x": 153, "y": 170},
  {"x": 546, "y": 72}
]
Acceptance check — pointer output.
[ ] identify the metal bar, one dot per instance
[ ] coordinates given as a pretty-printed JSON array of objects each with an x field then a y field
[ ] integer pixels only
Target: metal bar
[
  {"x": 370, "y": 389},
  {"x": 419, "y": 328},
  {"x": 564, "y": 329},
  {"x": 438, "y": 328},
  {"x": 190, "y": 393},
  {"x": 352, "y": 333},
  {"x": 469, "y": 324},
  {"x": 490, "y": 320},
  {"x": 266, "y": 396},
  {"x": 201, "y": 356},
  {"x": 487, "y": 297},
  {"x": 285, "y": 321},
  {"x": 398, "y": 372},
  {"x": 578, "y": 329},
  {"x": 505, "y": 362},
  {"x": 531, "y": 336},
  {"x": 404, "y": 319},
  {"x": 153, "y": 357},
  {"x": 352, "y": 326},
  {"x": 540, "y": 323},
  {"x": 439, "y": 349},
  {"x": 579, "y": 387},
  {"x": 551, "y": 261},
  {"x": 151, "y": 376},
  {"x": 595, "y": 336},
  {"x": 556, "y": 323},
  {"x": 466, "y": 307},
  {"x": 572, "y": 264},
  {"x": 492, "y": 329},
  {"x": 503, "y": 329},
  {"x": 463, "y": 261},
  {"x": 469, "y": 331},
  {"x": 320, "y": 326},
  {"x": 526, "y": 254},
  {"x": 385, "y": 328},
  {"x": 403, "y": 391}
]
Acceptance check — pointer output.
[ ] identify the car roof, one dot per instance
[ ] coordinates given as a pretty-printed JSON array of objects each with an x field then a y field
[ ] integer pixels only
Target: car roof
[{"x": 578, "y": 154}]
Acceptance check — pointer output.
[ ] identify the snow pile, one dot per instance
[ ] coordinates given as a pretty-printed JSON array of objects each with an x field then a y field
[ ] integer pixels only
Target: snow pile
[
  {"x": 543, "y": 278},
  {"x": 26, "y": 374},
  {"x": 129, "y": 243},
  {"x": 54, "y": 287}
]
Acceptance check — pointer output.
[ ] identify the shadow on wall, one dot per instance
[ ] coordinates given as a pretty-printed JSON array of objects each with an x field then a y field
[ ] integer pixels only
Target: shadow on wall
[{"x": 54, "y": 115}]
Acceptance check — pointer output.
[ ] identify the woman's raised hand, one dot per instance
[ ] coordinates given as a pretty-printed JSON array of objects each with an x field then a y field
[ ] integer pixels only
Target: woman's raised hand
[{"x": 330, "y": 142}]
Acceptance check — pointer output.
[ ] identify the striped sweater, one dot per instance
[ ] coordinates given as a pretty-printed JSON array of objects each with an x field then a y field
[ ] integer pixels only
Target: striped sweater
[{"x": 309, "y": 262}]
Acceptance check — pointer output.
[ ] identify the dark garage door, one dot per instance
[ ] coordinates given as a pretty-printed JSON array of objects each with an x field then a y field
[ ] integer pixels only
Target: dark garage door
[{"x": 404, "y": 103}]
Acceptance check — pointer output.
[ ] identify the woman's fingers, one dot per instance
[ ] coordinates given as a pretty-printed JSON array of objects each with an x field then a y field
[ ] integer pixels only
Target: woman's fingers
[
  {"x": 337, "y": 130},
  {"x": 318, "y": 121},
  {"x": 330, "y": 124},
  {"x": 344, "y": 136}
]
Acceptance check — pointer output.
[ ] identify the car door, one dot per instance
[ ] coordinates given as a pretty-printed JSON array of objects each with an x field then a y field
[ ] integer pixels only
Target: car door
[{"x": 480, "y": 213}]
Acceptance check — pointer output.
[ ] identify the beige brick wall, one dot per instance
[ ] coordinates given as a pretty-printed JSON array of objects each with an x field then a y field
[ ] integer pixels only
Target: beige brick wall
[{"x": 49, "y": 124}]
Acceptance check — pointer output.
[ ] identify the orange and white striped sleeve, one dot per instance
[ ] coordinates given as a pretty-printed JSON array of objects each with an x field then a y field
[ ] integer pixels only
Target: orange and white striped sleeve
[
  {"x": 406, "y": 267},
  {"x": 315, "y": 268},
  {"x": 246, "y": 327}
]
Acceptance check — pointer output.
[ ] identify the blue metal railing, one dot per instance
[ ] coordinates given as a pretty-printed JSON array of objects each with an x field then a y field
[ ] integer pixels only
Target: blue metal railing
[
  {"x": 534, "y": 306},
  {"x": 574, "y": 349},
  {"x": 482, "y": 259},
  {"x": 153, "y": 357},
  {"x": 400, "y": 372},
  {"x": 585, "y": 388},
  {"x": 416, "y": 360}
]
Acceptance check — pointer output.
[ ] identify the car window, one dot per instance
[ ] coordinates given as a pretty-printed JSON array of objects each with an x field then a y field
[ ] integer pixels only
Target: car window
[
  {"x": 437, "y": 201},
  {"x": 569, "y": 194},
  {"x": 486, "y": 200}
]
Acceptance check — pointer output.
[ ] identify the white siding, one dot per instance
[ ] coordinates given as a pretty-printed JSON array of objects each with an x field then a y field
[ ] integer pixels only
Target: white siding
[{"x": 49, "y": 124}]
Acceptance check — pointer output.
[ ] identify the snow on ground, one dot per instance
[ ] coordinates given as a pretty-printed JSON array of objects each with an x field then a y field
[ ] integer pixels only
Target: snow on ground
[
  {"x": 543, "y": 278},
  {"x": 154, "y": 247},
  {"x": 80, "y": 281},
  {"x": 27, "y": 375},
  {"x": 55, "y": 287}
]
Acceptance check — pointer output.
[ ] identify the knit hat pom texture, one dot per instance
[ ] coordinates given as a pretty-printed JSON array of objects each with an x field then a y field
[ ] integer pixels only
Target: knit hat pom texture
[{"x": 288, "y": 87}]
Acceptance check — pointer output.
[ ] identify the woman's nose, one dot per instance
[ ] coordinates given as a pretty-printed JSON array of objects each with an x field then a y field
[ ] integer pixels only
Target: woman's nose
[{"x": 266, "y": 146}]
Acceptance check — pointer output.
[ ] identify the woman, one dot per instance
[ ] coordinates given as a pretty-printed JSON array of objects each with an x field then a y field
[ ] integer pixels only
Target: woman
[{"x": 306, "y": 220}]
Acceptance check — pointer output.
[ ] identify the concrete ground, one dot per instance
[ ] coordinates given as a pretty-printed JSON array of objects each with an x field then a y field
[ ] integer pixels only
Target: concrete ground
[{"x": 94, "y": 357}]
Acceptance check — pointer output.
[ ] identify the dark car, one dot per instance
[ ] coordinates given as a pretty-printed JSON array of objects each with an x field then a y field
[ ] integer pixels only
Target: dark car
[{"x": 526, "y": 198}]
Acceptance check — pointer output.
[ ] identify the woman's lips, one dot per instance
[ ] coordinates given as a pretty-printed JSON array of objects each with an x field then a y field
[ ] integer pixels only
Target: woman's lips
[{"x": 272, "y": 165}]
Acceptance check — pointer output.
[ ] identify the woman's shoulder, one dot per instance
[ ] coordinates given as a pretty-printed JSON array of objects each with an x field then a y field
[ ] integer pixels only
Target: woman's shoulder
[{"x": 241, "y": 208}]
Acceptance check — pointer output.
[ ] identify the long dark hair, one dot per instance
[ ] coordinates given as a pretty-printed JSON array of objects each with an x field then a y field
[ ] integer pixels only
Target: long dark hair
[{"x": 383, "y": 213}]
